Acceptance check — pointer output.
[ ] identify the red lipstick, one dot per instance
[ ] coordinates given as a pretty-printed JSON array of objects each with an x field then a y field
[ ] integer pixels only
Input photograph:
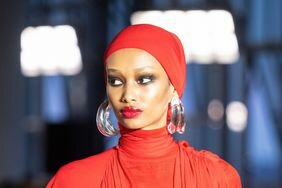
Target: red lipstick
[{"x": 130, "y": 112}]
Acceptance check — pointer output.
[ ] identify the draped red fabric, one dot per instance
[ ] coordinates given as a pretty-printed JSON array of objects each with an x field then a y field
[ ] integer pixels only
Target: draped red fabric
[
  {"x": 163, "y": 45},
  {"x": 148, "y": 158}
]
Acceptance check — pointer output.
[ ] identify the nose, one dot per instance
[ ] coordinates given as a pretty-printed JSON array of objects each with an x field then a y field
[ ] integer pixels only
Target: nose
[{"x": 129, "y": 93}]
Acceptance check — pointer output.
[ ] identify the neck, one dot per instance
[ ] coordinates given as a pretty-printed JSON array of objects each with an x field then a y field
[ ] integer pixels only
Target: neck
[{"x": 147, "y": 143}]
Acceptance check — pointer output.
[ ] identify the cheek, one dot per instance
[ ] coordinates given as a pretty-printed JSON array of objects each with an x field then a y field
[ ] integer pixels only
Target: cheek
[{"x": 157, "y": 95}]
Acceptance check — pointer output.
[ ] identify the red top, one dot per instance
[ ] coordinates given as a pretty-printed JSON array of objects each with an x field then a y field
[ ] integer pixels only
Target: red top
[{"x": 148, "y": 158}]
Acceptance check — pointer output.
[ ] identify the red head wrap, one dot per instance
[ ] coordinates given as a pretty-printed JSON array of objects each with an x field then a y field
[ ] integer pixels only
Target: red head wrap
[{"x": 163, "y": 45}]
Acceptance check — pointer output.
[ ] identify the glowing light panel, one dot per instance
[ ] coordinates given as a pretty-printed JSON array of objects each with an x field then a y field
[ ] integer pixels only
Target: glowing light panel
[
  {"x": 47, "y": 50},
  {"x": 207, "y": 36}
]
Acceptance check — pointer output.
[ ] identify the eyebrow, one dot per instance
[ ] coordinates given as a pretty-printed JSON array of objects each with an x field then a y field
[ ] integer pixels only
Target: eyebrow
[{"x": 136, "y": 69}]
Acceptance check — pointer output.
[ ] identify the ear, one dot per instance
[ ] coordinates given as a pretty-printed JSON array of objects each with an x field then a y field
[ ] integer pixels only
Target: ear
[{"x": 173, "y": 92}]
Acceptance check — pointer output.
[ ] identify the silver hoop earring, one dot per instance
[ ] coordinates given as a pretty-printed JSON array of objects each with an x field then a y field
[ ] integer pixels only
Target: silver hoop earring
[
  {"x": 176, "y": 116},
  {"x": 103, "y": 122}
]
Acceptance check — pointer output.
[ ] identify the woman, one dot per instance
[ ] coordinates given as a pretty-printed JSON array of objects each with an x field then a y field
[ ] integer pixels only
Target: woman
[{"x": 145, "y": 73}]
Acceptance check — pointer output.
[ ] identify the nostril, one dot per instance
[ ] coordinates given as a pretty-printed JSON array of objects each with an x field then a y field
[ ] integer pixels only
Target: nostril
[
  {"x": 123, "y": 99},
  {"x": 127, "y": 99},
  {"x": 129, "y": 94}
]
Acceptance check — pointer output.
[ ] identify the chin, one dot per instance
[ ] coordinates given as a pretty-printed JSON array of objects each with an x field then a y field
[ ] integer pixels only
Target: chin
[{"x": 131, "y": 124}]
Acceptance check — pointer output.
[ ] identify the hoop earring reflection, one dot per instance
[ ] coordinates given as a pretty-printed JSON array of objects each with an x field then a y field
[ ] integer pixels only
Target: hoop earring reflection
[
  {"x": 103, "y": 122},
  {"x": 176, "y": 116}
]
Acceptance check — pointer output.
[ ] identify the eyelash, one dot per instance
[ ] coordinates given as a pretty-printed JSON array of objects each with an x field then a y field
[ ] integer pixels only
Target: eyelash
[
  {"x": 111, "y": 81},
  {"x": 150, "y": 78},
  {"x": 140, "y": 80}
]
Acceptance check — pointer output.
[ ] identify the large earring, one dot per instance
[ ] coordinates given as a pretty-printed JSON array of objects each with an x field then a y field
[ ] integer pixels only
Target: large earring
[
  {"x": 103, "y": 122},
  {"x": 176, "y": 116}
]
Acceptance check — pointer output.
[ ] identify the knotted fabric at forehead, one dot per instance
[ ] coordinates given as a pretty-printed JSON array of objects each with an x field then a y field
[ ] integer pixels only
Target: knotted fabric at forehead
[{"x": 163, "y": 45}]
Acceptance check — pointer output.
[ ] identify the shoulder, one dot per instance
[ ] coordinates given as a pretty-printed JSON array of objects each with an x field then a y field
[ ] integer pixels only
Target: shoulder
[
  {"x": 215, "y": 168},
  {"x": 82, "y": 172}
]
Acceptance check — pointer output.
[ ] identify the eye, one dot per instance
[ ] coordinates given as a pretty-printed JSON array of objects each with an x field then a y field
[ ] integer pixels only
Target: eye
[
  {"x": 114, "y": 81},
  {"x": 145, "y": 80}
]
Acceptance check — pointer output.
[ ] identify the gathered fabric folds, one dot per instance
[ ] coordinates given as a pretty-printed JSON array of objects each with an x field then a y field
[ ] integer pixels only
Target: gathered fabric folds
[
  {"x": 163, "y": 45},
  {"x": 148, "y": 158}
]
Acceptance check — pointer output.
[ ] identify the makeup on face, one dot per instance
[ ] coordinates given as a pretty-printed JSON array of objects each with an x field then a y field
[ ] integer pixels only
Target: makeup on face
[
  {"x": 138, "y": 89},
  {"x": 130, "y": 112},
  {"x": 143, "y": 78}
]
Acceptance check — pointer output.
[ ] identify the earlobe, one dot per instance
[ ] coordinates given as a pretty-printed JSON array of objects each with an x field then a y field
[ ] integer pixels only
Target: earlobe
[{"x": 174, "y": 93}]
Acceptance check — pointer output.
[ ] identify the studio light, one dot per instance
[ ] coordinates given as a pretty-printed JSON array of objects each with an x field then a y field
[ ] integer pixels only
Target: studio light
[
  {"x": 216, "y": 110},
  {"x": 207, "y": 36},
  {"x": 236, "y": 114},
  {"x": 50, "y": 50}
]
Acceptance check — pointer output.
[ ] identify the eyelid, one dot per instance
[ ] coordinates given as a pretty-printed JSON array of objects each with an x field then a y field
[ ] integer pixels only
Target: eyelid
[
  {"x": 139, "y": 79},
  {"x": 150, "y": 77},
  {"x": 114, "y": 78}
]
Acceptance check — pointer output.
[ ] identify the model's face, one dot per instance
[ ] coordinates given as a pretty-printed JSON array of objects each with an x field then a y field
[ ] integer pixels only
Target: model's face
[{"x": 138, "y": 89}]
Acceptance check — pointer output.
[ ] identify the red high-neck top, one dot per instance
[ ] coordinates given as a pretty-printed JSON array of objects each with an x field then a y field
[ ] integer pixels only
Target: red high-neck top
[{"x": 148, "y": 158}]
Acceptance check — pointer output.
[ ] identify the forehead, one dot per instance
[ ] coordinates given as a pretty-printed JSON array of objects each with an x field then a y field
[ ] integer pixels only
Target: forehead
[{"x": 132, "y": 58}]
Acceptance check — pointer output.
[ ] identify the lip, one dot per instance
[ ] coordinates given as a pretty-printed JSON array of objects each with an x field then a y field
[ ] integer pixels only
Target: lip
[{"x": 130, "y": 112}]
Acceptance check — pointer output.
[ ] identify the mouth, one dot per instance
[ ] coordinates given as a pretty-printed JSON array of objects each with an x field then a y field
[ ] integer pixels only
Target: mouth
[{"x": 130, "y": 112}]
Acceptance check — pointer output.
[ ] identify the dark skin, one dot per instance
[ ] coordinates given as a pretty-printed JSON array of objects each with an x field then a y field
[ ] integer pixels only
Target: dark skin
[{"x": 136, "y": 79}]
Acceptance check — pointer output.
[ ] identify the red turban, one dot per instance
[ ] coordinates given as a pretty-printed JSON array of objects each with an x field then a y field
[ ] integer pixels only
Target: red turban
[{"x": 163, "y": 45}]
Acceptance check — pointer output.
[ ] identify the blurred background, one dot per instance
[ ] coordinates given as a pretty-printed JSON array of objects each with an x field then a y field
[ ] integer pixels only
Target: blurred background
[{"x": 51, "y": 81}]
